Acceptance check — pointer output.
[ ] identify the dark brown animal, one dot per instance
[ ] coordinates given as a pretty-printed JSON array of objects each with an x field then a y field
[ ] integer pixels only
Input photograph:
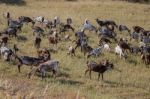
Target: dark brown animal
[
  {"x": 105, "y": 40},
  {"x": 100, "y": 68},
  {"x": 53, "y": 40},
  {"x": 4, "y": 39},
  {"x": 37, "y": 42},
  {"x": 138, "y": 29},
  {"x": 145, "y": 58}
]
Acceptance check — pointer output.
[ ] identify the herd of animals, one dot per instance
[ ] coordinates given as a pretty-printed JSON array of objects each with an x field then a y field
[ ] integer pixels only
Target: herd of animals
[{"x": 55, "y": 31}]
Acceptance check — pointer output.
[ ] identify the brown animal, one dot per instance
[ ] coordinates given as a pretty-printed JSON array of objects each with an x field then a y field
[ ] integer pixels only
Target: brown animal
[
  {"x": 53, "y": 40},
  {"x": 146, "y": 58},
  {"x": 37, "y": 42},
  {"x": 44, "y": 54},
  {"x": 4, "y": 39},
  {"x": 100, "y": 68},
  {"x": 138, "y": 29}
]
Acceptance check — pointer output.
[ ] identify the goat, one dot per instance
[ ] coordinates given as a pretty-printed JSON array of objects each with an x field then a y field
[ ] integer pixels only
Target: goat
[
  {"x": 6, "y": 53},
  {"x": 53, "y": 40},
  {"x": 95, "y": 51},
  {"x": 51, "y": 65},
  {"x": 145, "y": 58},
  {"x": 124, "y": 28},
  {"x": 100, "y": 68},
  {"x": 71, "y": 51},
  {"x": 118, "y": 50}
]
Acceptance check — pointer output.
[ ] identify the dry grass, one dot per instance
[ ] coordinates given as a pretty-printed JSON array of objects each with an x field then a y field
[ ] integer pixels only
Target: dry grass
[{"x": 131, "y": 83}]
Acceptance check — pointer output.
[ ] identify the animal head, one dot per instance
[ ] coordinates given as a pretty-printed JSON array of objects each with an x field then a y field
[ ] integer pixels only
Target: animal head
[{"x": 110, "y": 66}]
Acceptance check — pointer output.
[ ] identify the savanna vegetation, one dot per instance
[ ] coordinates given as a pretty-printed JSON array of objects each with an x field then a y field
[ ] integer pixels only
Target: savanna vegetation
[{"x": 131, "y": 83}]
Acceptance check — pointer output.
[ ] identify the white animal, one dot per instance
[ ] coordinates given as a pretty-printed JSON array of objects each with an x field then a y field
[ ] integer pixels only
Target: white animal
[
  {"x": 71, "y": 50},
  {"x": 39, "y": 19},
  {"x": 4, "y": 51},
  {"x": 118, "y": 50},
  {"x": 106, "y": 47},
  {"x": 88, "y": 26}
]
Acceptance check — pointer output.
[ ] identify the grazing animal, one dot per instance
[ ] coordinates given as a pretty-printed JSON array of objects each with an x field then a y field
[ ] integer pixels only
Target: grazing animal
[
  {"x": 28, "y": 61},
  {"x": 119, "y": 50},
  {"x": 37, "y": 42},
  {"x": 95, "y": 51},
  {"x": 71, "y": 51},
  {"x": 106, "y": 23},
  {"x": 137, "y": 29},
  {"x": 80, "y": 35},
  {"x": 135, "y": 49},
  {"x": 6, "y": 53},
  {"x": 145, "y": 58},
  {"x": 104, "y": 39},
  {"x": 100, "y": 68},
  {"x": 106, "y": 47},
  {"x": 53, "y": 40},
  {"x": 145, "y": 49},
  {"x": 86, "y": 49},
  {"x": 38, "y": 19},
  {"x": 123, "y": 28},
  {"x": 88, "y": 26},
  {"x": 4, "y": 39},
  {"x": 15, "y": 24},
  {"x": 37, "y": 29},
  {"x": 11, "y": 32},
  {"x": 25, "y": 19},
  {"x": 6, "y": 15},
  {"x": 15, "y": 49},
  {"x": 48, "y": 66},
  {"x": 124, "y": 45},
  {"x": 106, "y": 32}
]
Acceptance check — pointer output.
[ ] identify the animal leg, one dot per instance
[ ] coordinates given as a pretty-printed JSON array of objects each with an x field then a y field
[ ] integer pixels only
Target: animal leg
[
  {"x": 90, "y": 74},
  {"x": 19, "y": 67},
  {"x": 102, "y": 76},
  {"x": 54, "y": 73},
  {"x": 86, "y": 72},
  {"x": 98, "y": 76}
]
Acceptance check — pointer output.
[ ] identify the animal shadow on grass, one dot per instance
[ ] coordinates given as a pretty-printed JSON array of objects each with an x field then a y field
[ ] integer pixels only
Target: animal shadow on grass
[
  {"x": 14, "y": 2},
  {"x": 132, "y": 61},
  {"x": 53, "y": 50},
  {"x": 50, "y": 75},
  {"x": 22, "y": 38},
  {"x": 69, "y": 82},
  {"x": 120, "y": 84}
]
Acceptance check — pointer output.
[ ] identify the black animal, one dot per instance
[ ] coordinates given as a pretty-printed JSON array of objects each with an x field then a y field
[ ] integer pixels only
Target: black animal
[
  {"x": 25, "y": 19},
  {"x": 106, "y": 23},
  {"x": 29, "y": 61},
  {"x": 66, "y": 27},
  {"x": 104, "y": 39}
]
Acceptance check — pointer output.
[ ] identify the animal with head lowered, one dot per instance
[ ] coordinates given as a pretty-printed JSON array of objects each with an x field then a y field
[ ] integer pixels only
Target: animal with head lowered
[
  {"x": 100, "y": 68},
  {"x": 48, "y": 66},
  {"x": 28, "y": 61},
  {"x": 25, "y": 19}
]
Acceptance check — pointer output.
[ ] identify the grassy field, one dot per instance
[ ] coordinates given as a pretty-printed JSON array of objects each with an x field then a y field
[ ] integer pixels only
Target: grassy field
[{"x": 131, "y": 83}]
